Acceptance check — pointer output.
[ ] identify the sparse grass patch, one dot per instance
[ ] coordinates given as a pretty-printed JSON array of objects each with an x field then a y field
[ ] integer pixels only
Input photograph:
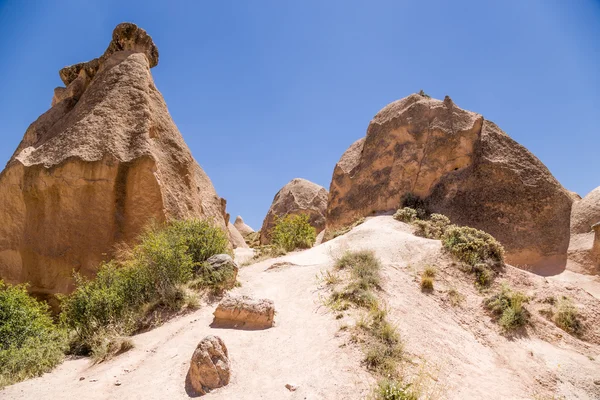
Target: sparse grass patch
[
  {"x": 567, "y": 317},
  {"x": 507, "y": 305},
  {"x": 343, "y": 230},
  {"x": 293, "y": 232},
  {"x": 109, "y": 346},
  {"x": 393, "y": 389},
  {"x": 30, "y": 342},
  {"x": 455, "y": 297},
  {"x": 426, "y": 283}
]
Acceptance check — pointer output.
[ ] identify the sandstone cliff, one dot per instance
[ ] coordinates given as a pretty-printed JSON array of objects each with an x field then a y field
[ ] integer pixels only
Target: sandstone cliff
[
  {"x": 95, "y": 169},
  {"x": 463, "y": 166}
]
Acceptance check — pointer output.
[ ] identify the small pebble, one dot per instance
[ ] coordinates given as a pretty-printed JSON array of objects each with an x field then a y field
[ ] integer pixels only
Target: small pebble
[{"x": 291, "y": 388}]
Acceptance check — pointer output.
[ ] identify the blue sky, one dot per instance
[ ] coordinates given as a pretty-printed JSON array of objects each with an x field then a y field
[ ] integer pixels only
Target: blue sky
[{"x": 266, "y": 91}]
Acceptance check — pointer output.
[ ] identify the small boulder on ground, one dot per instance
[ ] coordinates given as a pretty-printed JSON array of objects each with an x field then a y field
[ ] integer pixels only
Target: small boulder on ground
[
  {"x": 222, "y": 262},
  {"x": 245, "y": 312},
  {"x": 209, "y": 367},
  {"x": 242, "y": 227}
]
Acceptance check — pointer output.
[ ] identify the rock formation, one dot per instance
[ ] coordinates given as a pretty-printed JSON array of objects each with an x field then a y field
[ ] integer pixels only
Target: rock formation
[
  {"x": 235, "y": 237},
  {"x": 583, "y": 256},
  {"x": 241, "y": 226},
  {"x": 224, "y": 262},
  {"x": 210, "y": 366},
  {"x": 299, "y": 196},
  {"x": 95, "y": 169},
  {"x": 246, "y": 312},
  {"x": 462, "y": 166},
  {"x": 586, "y": 212}
]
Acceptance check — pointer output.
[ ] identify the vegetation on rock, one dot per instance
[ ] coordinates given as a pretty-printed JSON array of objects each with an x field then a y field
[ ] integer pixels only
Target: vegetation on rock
[
  {"x": 30, "y": 342},
  {"x": 124, "y": 293},
  {"x": 567, "y": 317},
  {"x": 293, "y": 232}
]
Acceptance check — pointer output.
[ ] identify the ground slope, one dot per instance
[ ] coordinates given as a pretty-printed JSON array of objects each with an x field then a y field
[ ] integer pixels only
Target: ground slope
[{"x": 459, "y": 350}]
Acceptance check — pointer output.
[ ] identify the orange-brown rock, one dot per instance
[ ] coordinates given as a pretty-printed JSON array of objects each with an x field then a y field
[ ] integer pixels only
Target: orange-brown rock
[
  {"x": 461, "y": 165},
  {"x": 210, "y": 367},
  {"x": 95, "y": 169},
  {"x": 299, "y": 196},
  {"x": 586, "y": 212},
  {"x": 245, "y": 312},
  {"x": 583, "y": 256}
]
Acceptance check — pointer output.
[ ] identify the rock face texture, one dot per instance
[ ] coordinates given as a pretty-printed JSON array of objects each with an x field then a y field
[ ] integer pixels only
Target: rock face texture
[
  {"x": 235, "y": 237},
  {"x": 299, "y": 196},
  {"x": 241, "y": 226},
  {"x": 95, "y": 169},
  {"x": 224, "y": 261},
  {"x": 210, "y": 367},
  {"x": 584, "y": 247},
  {"x": 463, "y": 166},
  {"x": 586, "y": 212},
  {"x": 246, "y": 312}
]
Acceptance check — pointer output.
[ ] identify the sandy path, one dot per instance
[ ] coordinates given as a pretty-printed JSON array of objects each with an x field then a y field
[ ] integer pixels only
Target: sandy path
[{"x": 302, "y": 349}]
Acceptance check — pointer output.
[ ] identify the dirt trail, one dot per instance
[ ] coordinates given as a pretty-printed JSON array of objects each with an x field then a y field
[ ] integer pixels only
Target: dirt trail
[{"x": 459, "y": 349}]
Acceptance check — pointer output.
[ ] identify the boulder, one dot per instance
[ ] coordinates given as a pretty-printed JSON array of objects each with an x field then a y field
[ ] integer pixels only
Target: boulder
[
  {"x": 223, "y": 262},
  {"x": 241, "y": 226},
  {"x": 210, "y": 367},
  {"x": 586, "y": 212},
  {"x": 299, "y": 196},
  {"x": 245, "y": 311},
  {"x": 461, "y": 165},
  {"x": 95, "y": 169},
  {"x": 235, "y": 237}
]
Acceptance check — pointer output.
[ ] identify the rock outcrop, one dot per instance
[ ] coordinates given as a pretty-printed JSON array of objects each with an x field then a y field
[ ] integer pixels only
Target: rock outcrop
[
  {"x": 584, "y": 250},
  {"x": 586, "y": 212},
  {"x": 226, "y": 263},
  {"x": 299, "y": 196},
  {"x": 462, "y": 166},
  {"x": 245, "y": 312},
  {"x": 210, "y": 367},
  {"x": 235, "y": 237},
  {"x": 242, "y": 227},
  {"x": 95, "y": 169}
]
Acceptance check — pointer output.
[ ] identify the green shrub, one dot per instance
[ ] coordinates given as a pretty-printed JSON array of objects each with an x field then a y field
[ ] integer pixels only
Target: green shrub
[
  {"x": 508, "y": 306},
  {"x": 112, "y": 303},
  {"x": 567, "y": 317},
  {"x": 30, "y": 342},
  {"x": 472, "y": 246},
  {"x": 406, "y": 214},
  {"x": 293, "y": 232},
  {"x": 202, "y": 239},
  {"x": 433, "y": 228},
  {"x": 413, "y": 201},
  {"x": 392, "y": 389}
]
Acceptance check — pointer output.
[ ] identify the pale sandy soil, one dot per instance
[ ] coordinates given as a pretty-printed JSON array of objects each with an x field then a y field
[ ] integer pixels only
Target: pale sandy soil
[{"x": 458, "y": 352}]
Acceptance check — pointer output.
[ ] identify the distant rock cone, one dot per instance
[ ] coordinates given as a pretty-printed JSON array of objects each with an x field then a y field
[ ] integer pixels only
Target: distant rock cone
[
  {"x": 460, "y": 165},
  {"x": 241, "y": 226},
  {"x": 95, "y": 169},
  {"x": 299, "y": 196}
]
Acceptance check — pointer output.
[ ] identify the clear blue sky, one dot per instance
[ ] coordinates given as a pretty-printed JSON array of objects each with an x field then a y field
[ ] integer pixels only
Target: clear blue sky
[{"x": 266, "y": 91}]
